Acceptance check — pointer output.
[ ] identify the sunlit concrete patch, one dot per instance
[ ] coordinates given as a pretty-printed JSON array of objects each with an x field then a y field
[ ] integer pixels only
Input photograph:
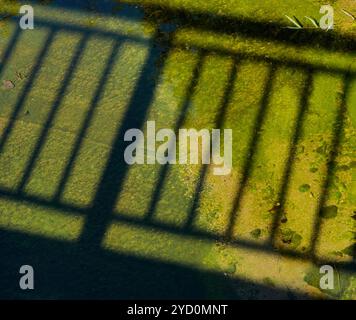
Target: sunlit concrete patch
[
  {"x": 12, "y": 171},
  {"x": 350, "y": 100},
  {"x": 37, "y": 220},
  {"x": 148, "y": 243}
]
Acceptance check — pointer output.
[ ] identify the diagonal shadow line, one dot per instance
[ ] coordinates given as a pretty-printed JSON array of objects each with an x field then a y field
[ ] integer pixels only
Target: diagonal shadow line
[
  {"x": 298, "y": 133},
  {"x": 219, "y": 124},
  {"x": 225, "y": 24},
  {"x": 182, "y": 116},
  {"x": 34, "y": 74},
  {"x": 339, "y": 125},
  {"x": 287, "y": 61},
  {"x": 88, "y": 119},
  {"x": 213, "y": 49},
  {"x": 200, "y": 234},
  {"x": 116, "y": 169},
  {"x": 250, "y": 155},
  {"x": 102, "y": 33},
  {"x": 68, "y": 272},
  {"x": 10, "y": 48},
  {"x": 163, "y": 227},
  {"x": 54, "y": 110},
  {"x": 65, "y": 208}
]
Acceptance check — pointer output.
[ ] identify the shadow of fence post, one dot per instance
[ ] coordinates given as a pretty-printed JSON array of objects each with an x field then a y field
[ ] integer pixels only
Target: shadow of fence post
[{"x": 113, "y": 177}]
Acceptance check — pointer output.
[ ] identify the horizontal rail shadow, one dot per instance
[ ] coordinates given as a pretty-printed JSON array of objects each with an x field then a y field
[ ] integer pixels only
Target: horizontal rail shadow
[
  {"x": 224, "y": 24},
  {"x": 66, "y": 271},
  {"x": 174, "y": 230}
]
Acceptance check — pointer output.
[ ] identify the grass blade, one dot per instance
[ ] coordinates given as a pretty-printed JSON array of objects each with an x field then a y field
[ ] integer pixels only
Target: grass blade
[
  {"x": 313, "y": 21},
  {"x": 348, "y": 14},
  {"x": 297, "y": 24}
]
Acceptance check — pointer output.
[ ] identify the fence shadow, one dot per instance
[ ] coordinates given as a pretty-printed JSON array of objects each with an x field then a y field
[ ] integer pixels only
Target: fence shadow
[{"x": 83, "y": 269}]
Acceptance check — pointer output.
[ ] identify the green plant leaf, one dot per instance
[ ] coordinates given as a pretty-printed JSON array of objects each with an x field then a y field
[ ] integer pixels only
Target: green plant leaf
[
  {"x": 297, "y": 24},
  {"x": 348, "y": 14},
  {"x": 313, "y": 21}
]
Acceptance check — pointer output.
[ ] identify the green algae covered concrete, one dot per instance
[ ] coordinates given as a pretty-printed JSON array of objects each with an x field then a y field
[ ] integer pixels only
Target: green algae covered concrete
[{"x": 291, "y": 108}]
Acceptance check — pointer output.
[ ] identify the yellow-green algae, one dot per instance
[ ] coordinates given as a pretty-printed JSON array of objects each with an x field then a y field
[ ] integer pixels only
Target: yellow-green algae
[{"x": 256, "y": 213}]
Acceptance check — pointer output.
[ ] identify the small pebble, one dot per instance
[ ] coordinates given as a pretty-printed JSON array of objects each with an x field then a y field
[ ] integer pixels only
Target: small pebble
[
  {"x": 8, "y": 84},
  {"x": 284, "y": 219}
]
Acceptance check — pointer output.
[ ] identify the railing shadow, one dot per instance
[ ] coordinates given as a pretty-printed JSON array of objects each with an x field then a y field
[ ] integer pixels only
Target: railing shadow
[{"x": 84, "y": 269}]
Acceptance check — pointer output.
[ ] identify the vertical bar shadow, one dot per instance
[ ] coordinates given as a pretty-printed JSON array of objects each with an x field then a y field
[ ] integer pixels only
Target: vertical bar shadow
[
  {"x": 26, "y": 91},
  {"x": 182, "y": 116},
  {"x": 112, "y": 180},
  {"x": 331, "y": 165},
  {"x": 10, "y": 48},
  {"x": 87, "y": 121},
  {"x": 250, "y": 155},
  {"x": 219, "y": 124},
  {"x": 298, "y": 133},
  {"x": 54, "y": 110}
]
